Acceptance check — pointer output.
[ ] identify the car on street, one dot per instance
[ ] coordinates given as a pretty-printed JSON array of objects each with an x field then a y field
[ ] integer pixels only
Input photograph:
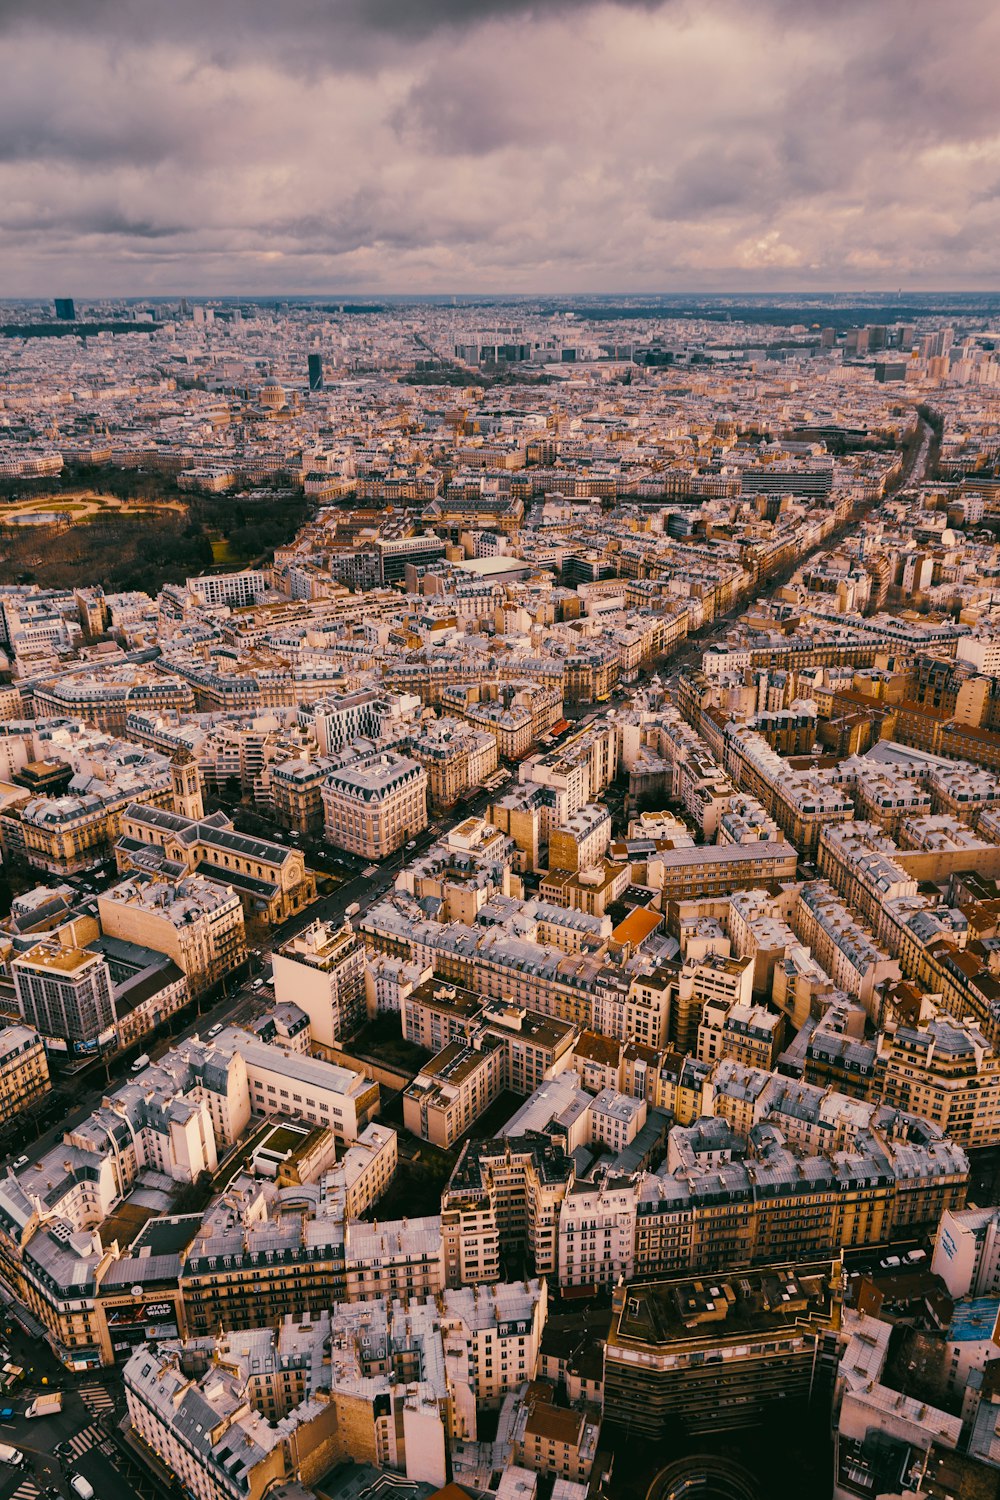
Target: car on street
[
  {"x": 214, "y": 1030},
  {"x": 22, "y": 1161},
  {"x": 6, "y": 1413}
]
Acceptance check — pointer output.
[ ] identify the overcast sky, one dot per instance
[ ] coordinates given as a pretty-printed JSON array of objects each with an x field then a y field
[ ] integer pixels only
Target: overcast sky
[{"x": 161, "y": 146}]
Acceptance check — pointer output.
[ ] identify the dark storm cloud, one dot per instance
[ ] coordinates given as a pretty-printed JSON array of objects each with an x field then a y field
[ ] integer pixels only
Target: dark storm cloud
[{"x": 520, "y": 144}]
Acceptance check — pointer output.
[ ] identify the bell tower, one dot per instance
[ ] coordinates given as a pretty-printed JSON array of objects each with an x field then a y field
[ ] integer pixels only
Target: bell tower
[{"x": 186, "y": 785}]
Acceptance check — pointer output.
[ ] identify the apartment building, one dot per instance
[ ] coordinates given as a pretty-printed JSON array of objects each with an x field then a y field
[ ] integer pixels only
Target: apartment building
[
  {"x": 492, "y": 961},
  {"x": 489, "y": 1047},
  {"x": 560, "y": 1441},
  {"x": 234, "y": 589},
  {"x": 750, "y": 1210},
  {"x": 802, "y": 803},
  {"x": 597, "y": 1235},
  {"x": 340, "y": 718},
  {"x": 639, "y": 1009},
  {"x": 434, "y": 1014},
  {"x": 68, "y": 834},
  {"x": 364, "y": 1171},
  {"x": 966, "y": 1252},
  {"x": 844, "y": 947},
  {"x": 502, "y": 1202},
  {"x": 248, "y": 1265},
  {"x": 24, "y": 1070},
  {"x": 374, "y": 805},
  {"x": 858, "y": 860},
  {"x": 204, "y": 1432},
  {"x": 456, "y": 756},
  {"x": 514, "y": 713},
  {"x": 322, "y": 970},
  {"x": 708, "y": 870},
  {"x": 338, "y": 1098},
  {"x": 580, "y": 843},
  {"x": 878, "y": 1427},
  {"x": 297, "y": 794},
  {"x": 591, "y": 890},
  {"x": 173, "y": 1122},
  {"x": 402, "y": 1258},
  {"x": 715, "y": 976},
  {"x": 946, "y": 1071},
  {"x": 749, "y": 1034},
  {"x": 615, "y": 1120},
  {"x": 721, "y": 1352},
  {"x": 501, "y": 1328},
  {"x": 453, "y": 1089},
  {"x": 195, "y": 920}
]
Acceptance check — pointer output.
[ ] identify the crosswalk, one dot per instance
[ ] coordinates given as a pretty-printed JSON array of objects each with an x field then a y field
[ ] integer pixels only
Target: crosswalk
[
  {"x": 96, "y": 1399},
  {"x": 81, "y": 1442},
  {"x": 26, "y": 1490}
]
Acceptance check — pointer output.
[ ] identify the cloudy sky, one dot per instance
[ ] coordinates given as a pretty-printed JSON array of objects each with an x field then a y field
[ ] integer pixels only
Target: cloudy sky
[{"x": 162, "y": 146}]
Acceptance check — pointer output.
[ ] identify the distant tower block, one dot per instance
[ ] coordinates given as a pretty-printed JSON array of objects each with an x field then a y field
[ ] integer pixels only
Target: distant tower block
[
  {"x": 315, "y": 372},
  {"x": 186, "y": 785},
  {"x": 65, "y": 309}
]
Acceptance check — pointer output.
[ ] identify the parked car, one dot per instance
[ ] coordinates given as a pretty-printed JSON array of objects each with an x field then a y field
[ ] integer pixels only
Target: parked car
[
  {"x": 214, "y": 1030},
  {"x": 22, "y": 1161}
]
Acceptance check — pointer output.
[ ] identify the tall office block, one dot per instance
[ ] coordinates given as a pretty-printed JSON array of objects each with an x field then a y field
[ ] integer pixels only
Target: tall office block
[
  {"x": 65, "y": 993},
  {"x": 65, "y": 309},
  {"x": 315, "y": 372}
]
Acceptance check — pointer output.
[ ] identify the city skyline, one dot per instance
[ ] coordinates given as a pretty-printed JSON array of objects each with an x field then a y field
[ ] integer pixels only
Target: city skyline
[{"x": 523, "y": 148}]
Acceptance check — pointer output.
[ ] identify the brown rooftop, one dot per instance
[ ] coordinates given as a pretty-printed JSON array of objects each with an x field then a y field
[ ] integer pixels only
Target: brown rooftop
[{"x": 595, "y": 1047}]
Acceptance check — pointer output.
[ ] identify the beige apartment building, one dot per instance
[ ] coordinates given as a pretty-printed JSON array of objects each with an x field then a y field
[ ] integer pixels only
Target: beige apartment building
[
  {"x": 514, "y": 713},
  {"x": 483, "y": 1047},
  {"x": 297, "y": 795},
  {"x": 503, "y": 1201},
  {"x": 452, "y": 1090},
  {"x": 230, "y": 1281},
  {"x": 69, "y": 834},
  {"x": 748, "y": 1034},
  {"x": 402, "y": 1259},
  {"x": 375, "y": 805},
  {"x": 198, "y": 922},
  {"x": 637, "y": 1010},
  {"x": 946, "y": 1071},
  {"x": 580, "y": 842},
  {"x": 560, "y": 1441},
  {"x": 455, "y": 755},
  {"x": 591, "y": 890},
  {"x": 322, "y": 970},
  {"x": 24, "y": 1070},
  {"x": 708, "y": 869},
  {"x": 713, "y": 977}
]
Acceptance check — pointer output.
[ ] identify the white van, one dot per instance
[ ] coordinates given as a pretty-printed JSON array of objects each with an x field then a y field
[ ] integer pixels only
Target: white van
[
  {"x": 81, "y": 1487},
  {"x": 140, "y": 1063},
  {"x": 9, "y": 1455}
]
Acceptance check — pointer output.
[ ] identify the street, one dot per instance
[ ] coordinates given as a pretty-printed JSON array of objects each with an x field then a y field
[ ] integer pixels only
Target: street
[{"x": 55, "y": 1446}]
